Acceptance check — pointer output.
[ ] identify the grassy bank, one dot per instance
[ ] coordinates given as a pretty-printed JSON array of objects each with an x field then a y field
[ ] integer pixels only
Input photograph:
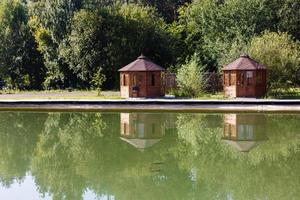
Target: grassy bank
[
  {"x": 59, "y": 94},
  {"x": 293, "y": 93}
]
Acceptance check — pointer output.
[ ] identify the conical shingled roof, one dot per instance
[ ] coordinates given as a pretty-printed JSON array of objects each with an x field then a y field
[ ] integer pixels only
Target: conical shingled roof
[
  {"x": 141, "y": 64},
  {"x": 244, "y": 62}
]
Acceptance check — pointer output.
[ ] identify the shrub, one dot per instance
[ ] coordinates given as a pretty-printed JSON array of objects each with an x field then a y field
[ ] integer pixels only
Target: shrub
[
  {"x": 98, "y": 79},
  {"x": 191, "y": 78},
  {"x": 281, "y": 55}
]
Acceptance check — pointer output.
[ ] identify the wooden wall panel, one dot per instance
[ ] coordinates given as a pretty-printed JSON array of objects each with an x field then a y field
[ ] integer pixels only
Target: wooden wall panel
[{"x": 142, "y": 81}]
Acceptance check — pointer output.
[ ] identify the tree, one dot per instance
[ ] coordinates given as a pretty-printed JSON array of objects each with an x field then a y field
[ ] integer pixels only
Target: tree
[
  {"x": 289, "y": 13},
  {"x": 111, "y": 38},
  {"x": 281, "y": 55},
  {"x": 52, "y": 19},
  {"x": 98, "y": 80},
  {"x": 21, "y": 64},
  {"x": 87, "y": 47},
  {"x": 191, "y": 77},
  {"x": 96, "y": 4},
  {"x": 213, "y": 26},
  {"x": 167, "y": 9}
]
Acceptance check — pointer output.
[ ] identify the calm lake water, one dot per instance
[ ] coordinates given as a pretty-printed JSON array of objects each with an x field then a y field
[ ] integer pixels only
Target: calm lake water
[{"x": 155, "y": 156}]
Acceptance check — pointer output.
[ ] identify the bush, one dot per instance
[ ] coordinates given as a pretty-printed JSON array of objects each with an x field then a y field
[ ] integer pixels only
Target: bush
[
  {"x": 98, "y": 79},
  {"x": 191, "y": 78},
  {"x": 281, "y": 55}
]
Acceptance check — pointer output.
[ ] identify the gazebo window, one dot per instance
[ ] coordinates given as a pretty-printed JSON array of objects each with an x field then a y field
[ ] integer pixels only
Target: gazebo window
[
  {"x": 134, "y": 80},
  {"x": 226, "y": 78},
  {"x": 232, "y": 78},
  {"x": 242, "y": 78},
  {"x": 152, "y": 79},
  {"x": 141, "y": 78},
  {"x": 258, "y": 77},
  {"x": 124, "y": 80},
  {"x": 249, "y": 76}
]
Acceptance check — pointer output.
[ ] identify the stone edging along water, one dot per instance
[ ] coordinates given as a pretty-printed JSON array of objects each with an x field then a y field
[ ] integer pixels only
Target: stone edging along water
[{"x": 237, "y": 105}]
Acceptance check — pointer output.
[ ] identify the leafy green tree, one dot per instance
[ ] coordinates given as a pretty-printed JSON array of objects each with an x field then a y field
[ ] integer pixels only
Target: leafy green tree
[
  {"x": 167, "y": 9},
  {"x": 50, "y": 22},
  {"x": 191, "y": 77},
  {"x": 111, "y": 38},
  {"x": 98, "y": 80},
  {"x": 21, "y": 64},
  {"x": 96, "y": 4},
  {"x": 281, "y": 55},
  {"x": 289, "y": 20},
  {"x": 213, "y": 26}
]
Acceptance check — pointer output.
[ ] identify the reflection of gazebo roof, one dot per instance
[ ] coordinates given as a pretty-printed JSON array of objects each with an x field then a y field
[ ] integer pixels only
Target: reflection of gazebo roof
[
  {"x": 243, "y": 146},
  {"x": 141, "y": 143}
]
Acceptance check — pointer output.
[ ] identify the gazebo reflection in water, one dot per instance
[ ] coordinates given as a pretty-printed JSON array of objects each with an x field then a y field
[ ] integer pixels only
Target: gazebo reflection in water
[
  {"x": 244, "y": 131},
  {"x": 141, "y": 130}
]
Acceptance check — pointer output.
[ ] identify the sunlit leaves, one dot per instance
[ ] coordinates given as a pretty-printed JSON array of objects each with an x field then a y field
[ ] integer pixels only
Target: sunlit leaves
[{"x": 281, "y": 55}]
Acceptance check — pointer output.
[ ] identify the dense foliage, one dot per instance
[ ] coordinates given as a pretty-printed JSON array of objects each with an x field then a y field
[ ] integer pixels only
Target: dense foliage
[
  {"x": 48, "y": 44},
  {"x": 282, "y": 56},
  {"x": 191, "y": 78}
]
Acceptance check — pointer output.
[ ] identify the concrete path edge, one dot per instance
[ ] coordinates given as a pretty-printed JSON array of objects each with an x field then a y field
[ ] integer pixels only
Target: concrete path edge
[{"x": 136, "y": 105}]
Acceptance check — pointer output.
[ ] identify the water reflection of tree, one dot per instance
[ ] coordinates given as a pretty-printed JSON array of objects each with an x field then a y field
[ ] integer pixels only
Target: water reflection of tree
[
  {"x": 60, "y": 147},
  {"x": 18, "y": 137},
  {"x": 268, "y": 172},
  {"x": 69, "y": 153},
  {"x": 71, "y": 157}
]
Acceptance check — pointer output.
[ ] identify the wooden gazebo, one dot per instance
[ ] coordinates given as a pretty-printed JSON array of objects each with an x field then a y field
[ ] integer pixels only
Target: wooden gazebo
[
  {"x": 141, "y": 78},
  {"x": 244, "y": 77}
]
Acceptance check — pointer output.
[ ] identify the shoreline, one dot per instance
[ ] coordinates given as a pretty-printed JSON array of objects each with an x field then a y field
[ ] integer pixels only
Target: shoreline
[{"x": 153, "y": 105}]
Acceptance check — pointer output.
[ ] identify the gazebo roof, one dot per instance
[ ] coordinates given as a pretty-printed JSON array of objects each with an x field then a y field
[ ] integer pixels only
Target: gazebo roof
[
  {"x": 244, "y": 62},
  {"x": 141, "y": 64}
]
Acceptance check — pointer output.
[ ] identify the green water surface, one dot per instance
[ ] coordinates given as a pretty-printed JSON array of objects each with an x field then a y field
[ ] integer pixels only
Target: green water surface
[{"x": 155, "y": 156}]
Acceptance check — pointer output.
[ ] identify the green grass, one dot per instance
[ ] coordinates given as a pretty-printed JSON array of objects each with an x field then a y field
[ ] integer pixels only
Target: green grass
[
  {"x": 291, "y": 93},
  {"x": 216, "y": 96},
  {"x": 59, "y": 94}
]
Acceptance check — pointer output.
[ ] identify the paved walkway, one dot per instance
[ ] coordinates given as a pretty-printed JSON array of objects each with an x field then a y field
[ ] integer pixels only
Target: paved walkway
[{"x": 188, "y": 105}]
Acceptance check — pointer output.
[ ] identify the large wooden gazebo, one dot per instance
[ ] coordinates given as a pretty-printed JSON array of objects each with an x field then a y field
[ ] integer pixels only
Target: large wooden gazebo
[
  {"x": 244, "y": 77},
  {"x": 141, "y": 78}
]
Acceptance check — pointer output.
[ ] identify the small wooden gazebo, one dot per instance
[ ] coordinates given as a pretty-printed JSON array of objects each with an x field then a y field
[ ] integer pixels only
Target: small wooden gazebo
[
  {"x": 141, "y": 78},
  {"x": 244, "y": 77}
]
